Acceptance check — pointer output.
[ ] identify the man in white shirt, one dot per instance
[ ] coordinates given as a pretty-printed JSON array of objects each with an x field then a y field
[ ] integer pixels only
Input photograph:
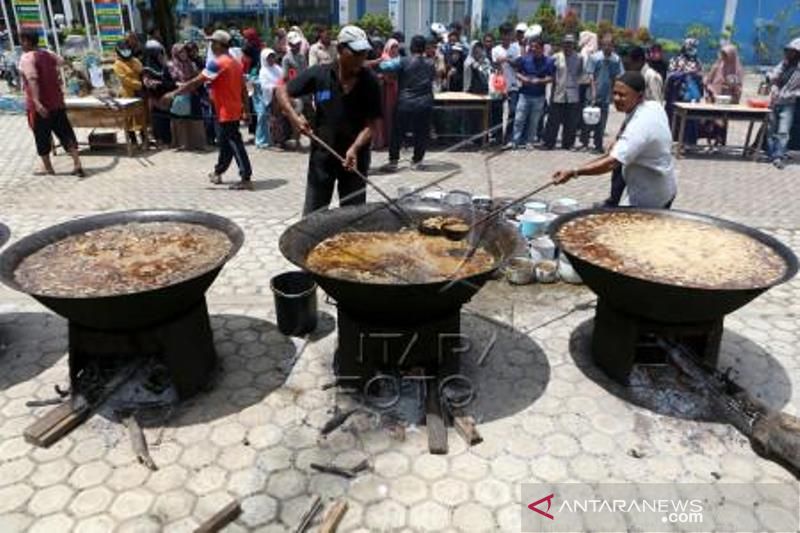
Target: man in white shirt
[
  {"x": 505, "y": 56},
  {"x": 654, "y": 85},
  {"x": 643, "y": 148}
]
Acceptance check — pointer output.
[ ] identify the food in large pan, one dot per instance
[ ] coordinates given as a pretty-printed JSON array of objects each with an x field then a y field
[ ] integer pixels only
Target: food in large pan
[
  {"x": 122, "y": 259},
  {"x": 671, "y": 250},
  {"x": 403, "y": 257}
]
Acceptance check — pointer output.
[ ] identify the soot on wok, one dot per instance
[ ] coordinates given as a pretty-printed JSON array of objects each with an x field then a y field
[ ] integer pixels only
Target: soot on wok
[{"x": 122, "y": 259}]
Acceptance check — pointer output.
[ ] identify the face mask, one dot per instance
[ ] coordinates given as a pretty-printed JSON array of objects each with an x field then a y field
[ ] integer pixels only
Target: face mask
[{"x": 125, "y": 54}]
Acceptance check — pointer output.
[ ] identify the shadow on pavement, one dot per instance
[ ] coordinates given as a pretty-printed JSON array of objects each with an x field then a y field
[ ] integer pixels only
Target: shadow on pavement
[
  {"x": 30, "y": 343},
  {"x": 507, "y": 369},
  {"x": 665, "y": 390}
]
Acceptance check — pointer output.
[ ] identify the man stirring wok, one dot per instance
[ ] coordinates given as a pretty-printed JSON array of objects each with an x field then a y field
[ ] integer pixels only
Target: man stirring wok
[
  {"x": 643, "y": 148},
  {"x": 347, "y": 104}
]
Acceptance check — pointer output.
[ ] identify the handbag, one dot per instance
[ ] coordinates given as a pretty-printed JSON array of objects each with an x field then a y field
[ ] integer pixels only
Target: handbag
[{"x": 181, "y": 105}]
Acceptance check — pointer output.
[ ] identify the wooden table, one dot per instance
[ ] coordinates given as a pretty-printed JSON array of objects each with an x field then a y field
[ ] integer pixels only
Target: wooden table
[
  {"x": 115, "y": 113},
  {"x": 466, "y": 101},
  {"x": 685, "y": 111}
]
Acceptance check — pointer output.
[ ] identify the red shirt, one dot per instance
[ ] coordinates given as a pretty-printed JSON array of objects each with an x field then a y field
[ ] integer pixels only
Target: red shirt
[
  {"x": 226, "y": 78},
  {"x": 42, "y": 66}
]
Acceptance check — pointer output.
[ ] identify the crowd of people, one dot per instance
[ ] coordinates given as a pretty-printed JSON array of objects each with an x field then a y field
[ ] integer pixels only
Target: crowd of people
[{"x": 360, "y": 93}]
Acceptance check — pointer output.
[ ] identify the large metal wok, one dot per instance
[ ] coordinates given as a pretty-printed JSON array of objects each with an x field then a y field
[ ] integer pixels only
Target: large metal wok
[
  {"x": 393, "y": 303},
  {"x": 125, "y": 311},
  {"x": 664, "y": 302}
]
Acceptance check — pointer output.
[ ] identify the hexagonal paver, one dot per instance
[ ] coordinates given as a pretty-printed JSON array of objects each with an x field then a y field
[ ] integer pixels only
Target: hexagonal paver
[
  {"x": 49, "y": 524},
  {"x": 450, "y": 491},
  {"x": 509, "y": 518},
  {"x": 96, "y": 524},
  {"x": 385, "y": 515},
  {"x": 430, "y": 466},
  {"x": 509, "y": 468},
  {"x": 473, "y": 517},
  {"x": 131, "y": 503},
  {"x": 561, "y": 445},
  {"x": 247, "y": 482},
  {"x": 237, "y": 457},
  {"x": 192, "y": 434},
  {"x": 207, "y": 480},
  {"x": 89, "y": 474},
  {"x": 368, "y": 488},
  {"x": 172, "y": 506},
  {"x": 286, "y": 484},
  {"x": 468, "y": 466},
  {"x": 15, "y": 470},
  {"x": 391, "y": 464},
  {"x": 258, "y": 510},
  {"x": 128, "y": 477},
  {"x": 14, "y": 448},
  {"x": 264, "y": 436},
  {"x": 492, "y": 492},
  {"x": 142, "y": 524},
  {"x": 429, "y": 516},
  {"x": 228, "y": 434},
  {"x": 90, "y": 501},
  {"x": 198, "y": 455},
  {"x": 88, "y": 450},
  {"x": 328, "y": 485},
  {"x": 167, "y": 479},
  {"x": 408, "y": 489},
  {"x": 50, "y": 500},
  {"x": 13, "y": 497}
]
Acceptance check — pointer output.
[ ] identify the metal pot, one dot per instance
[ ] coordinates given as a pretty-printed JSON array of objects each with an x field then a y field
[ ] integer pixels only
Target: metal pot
[{"x": 520, "y": 271}]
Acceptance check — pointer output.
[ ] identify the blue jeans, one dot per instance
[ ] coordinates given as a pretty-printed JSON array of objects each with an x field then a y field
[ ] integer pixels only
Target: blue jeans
[
  {"x": 529, "y": 111},
  {"x": 779, "y": 127}
]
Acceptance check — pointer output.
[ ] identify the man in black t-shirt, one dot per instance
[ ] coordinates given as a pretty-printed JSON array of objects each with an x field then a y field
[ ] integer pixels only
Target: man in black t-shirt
[{"x": 347, "y": 100}]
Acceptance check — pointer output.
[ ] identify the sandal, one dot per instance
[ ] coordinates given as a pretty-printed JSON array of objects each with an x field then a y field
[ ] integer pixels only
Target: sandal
[
  {"x": 216, "y": 179},
  {"x": 78, "y": 172}
]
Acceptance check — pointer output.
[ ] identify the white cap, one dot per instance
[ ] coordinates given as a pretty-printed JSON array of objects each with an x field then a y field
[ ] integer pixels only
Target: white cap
[
  {"x": 355, "y": 39},
  {"x": 438, "y": 28},
  {"x": 521, "y": 27},
  {"x": 533, "y": 31},
  {"x": 794, "y": 44},
  {"x": 220, "y": 36},
  {"x": 294, "y": 38}
]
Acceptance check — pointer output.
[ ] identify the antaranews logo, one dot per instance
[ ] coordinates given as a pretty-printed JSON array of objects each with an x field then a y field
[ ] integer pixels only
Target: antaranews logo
[{"x": 546, "y": 513}]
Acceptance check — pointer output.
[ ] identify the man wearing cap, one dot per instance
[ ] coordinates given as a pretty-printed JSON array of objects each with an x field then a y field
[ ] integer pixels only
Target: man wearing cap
[
  {"x": 520, "y": 32},
  {"x": 785, "y": 90},
  {"x": 228, "y": 92},
  {"x": 348, "y": 105},
  {"x": 643, "y": 148},
  {"x": 565, "y": 107}
]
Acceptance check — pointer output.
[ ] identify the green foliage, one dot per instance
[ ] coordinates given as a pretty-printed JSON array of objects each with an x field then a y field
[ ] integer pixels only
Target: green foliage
[
  {"x": 376, "y": 23},
  {"x": 772, "y": 34}
]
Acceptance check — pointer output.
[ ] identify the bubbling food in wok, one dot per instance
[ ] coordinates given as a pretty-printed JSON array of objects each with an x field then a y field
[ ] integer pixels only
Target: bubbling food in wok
[
  {"x": 403, "y": 257},
  {"x": 122, "y": 259},
  {"x": 672, "y": 250}
]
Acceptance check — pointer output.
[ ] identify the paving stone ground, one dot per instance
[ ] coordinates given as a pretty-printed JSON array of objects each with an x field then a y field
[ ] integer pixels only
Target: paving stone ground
[{"x": 546, "y": 414}]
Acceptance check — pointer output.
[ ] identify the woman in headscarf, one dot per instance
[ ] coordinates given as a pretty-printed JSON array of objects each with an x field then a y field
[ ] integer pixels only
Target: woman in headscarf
[
  {"x": 269, "y": 76},
  {"x": 684, "y": 83},
  {"x": 724, "y": 79},
  {"x": 389, "y": 89},
  {"x": 188, "y": 132},
  {"x": 304, "y": 46},
  {"x": 128, "y": 70},
  {"x": 157, "y": 82}
]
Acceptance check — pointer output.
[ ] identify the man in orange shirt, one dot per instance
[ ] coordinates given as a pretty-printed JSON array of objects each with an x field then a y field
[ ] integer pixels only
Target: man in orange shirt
[{"x": 228, "y": 93}]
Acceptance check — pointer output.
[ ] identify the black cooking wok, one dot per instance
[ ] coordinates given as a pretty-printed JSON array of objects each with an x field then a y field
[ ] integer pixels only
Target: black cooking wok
[
  {"x": 126, "y": 311},
  {"x": 664, "y": 302},
  {"x": 394, "y": 304}
]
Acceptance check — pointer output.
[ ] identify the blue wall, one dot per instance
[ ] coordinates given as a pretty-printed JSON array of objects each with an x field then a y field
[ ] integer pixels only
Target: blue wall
[
  {"x": 750, "y": 12},
  {"x": 671, "y": 18}
]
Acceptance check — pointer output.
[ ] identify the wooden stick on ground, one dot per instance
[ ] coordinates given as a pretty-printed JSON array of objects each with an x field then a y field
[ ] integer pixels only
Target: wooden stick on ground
[
  {"x": 335, "y": 470},
  {"x": 465, "y": 425},
  {"x": 138, "y": 441},
  {"x": 222, "y": 518},
  {"x": 434, "y": 421},
  {"x": 333, "y": 517},
  {"x": 309, "y": 515},
  {"x": 57, "y": 422}
]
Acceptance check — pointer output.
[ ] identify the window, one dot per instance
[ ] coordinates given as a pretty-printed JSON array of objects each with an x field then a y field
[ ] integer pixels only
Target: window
[
  {"x": 595, "y": 11},
  {"x": 448, "y": 11}
]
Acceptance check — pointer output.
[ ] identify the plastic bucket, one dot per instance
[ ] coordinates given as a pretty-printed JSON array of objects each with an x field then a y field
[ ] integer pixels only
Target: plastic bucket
[{"x": 295, "y": 302}]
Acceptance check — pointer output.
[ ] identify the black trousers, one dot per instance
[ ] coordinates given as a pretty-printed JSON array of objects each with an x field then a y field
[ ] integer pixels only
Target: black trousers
[
  {"x": 324, "y": 172},
  {"x": 231, "y": 147},
  {"x": 418, "y": 122},
  {"x": 566, "y": 115}
]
